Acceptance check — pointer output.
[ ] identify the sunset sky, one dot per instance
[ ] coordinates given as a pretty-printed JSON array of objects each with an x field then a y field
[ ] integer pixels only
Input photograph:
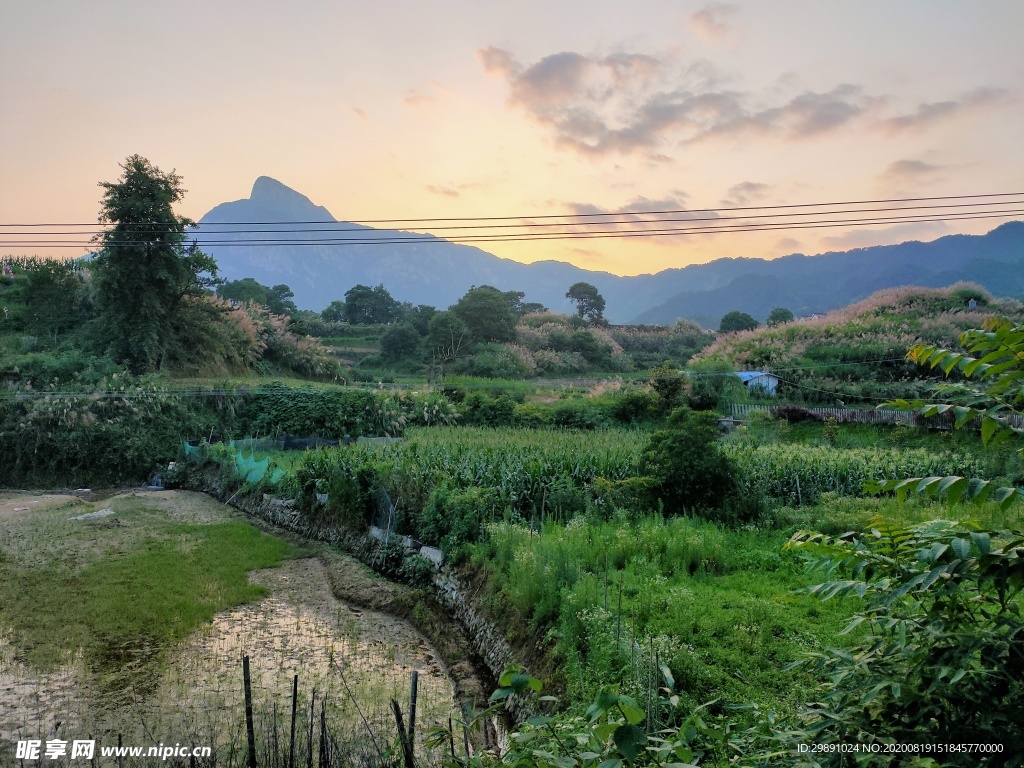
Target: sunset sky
[{"x": 401, "y": 109}]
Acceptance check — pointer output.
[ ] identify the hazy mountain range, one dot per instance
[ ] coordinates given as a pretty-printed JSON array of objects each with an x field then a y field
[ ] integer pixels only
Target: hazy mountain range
[{"x": 439, "y": 272}]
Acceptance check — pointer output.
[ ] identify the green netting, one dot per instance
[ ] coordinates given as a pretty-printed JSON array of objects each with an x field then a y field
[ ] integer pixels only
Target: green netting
[
  {"x": 195, "y": 453},
  {"x": 250, "y": 469}
]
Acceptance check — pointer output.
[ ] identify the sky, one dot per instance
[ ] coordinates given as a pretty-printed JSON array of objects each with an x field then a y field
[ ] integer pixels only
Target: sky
[{"x": 458, "y": 108}]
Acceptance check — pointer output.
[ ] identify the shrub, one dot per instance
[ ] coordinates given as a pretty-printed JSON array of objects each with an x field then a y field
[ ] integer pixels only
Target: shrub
[
  {"x": 633, "y": 406},
  {"x": 942, "y": 657},
  {"x": 688, "y": 470},
  {"x": 794, "y": 414},
  {"x": 483, "y": 411},
  {"x": 453, "y": 516},
  {"x": 712, "y": 384}
]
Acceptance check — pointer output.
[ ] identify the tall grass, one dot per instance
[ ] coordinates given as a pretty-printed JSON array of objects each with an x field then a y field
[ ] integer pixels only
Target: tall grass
[{"x": 602, "y": 597}]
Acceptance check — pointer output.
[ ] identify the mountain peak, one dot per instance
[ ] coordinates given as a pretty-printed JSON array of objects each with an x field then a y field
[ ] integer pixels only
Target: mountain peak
[{"x": 271, "y": 194}]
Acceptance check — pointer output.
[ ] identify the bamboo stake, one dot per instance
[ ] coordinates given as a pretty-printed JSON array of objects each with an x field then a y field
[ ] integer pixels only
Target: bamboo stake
[
  {"x": 403, "y": 736},
  {"x": 295, "y": 701},
  {"x": 412, "y": 706},
  {"x": 250, "y": 731},
  {"x": 312, "y": 716}
]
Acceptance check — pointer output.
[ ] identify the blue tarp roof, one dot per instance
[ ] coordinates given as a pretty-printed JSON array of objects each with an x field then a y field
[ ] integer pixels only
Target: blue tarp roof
[{"x": 748, "y": 375}]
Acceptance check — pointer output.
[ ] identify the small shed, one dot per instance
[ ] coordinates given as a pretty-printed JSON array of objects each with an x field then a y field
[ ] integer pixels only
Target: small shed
[{"x": 762, "y": 380}]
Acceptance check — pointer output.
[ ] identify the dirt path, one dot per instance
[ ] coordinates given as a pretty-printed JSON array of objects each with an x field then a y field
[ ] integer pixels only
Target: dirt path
[{"x": 18, "y": 503}]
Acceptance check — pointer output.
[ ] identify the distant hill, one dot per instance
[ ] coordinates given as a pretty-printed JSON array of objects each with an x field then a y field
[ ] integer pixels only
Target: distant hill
[
  {"x": 436, "y": 273},
  {"x": 439, "y": 272},
  {"x": 857, "y": 353},
  {"x": 816, "y": 284}
]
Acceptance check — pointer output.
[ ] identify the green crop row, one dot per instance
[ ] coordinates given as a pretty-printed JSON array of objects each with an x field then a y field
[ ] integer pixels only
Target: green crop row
[
  {"x": 797, "y": 474},
  {"x": 447, "y": 483}
]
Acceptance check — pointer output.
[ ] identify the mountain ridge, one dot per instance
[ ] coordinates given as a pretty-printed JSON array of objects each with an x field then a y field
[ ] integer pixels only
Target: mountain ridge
[{"x": 438, "y": 272}]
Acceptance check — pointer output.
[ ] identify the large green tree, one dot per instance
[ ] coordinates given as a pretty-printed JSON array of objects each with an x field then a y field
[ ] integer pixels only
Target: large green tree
[
  {"x": 365, "y": 305},
  {"x": 737, "y": 321},
  {"x": 488, "y": 313},
  {"x": 778, "y": 316},
  {"x": 589, "y": 303},
  {"x": 334, "y": 312},
  {"x": 53, "y": 296},
  {"x": 246, "y": 289},
  {"x": 145, "y": 272}
]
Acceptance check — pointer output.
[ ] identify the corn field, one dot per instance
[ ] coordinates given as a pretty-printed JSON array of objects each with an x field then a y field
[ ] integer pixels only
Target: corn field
[
  {"x": 529, "y": 471},
  {"x": 797, "y": 474}
]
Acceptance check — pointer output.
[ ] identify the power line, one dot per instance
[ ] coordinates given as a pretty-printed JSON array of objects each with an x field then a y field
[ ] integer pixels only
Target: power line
[
  {"x": 633, "y": 220},
  {"x": 595, "y": 215},
  {"x": 414, "y": 238}
]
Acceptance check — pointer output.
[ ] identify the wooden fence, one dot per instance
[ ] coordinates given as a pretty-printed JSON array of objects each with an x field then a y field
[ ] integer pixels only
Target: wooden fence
[{"x": 865, "y": 415}]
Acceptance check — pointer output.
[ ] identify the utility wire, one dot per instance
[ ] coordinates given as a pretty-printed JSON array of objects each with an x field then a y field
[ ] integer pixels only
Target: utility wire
[
  {"x": 526, "y": 237},
  {"x": 632, "y": 220},
  {"x": 610, "y": 213}
]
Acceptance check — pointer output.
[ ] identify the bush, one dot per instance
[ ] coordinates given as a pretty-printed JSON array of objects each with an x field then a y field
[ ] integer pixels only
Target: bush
[
  {"x": 64, "y": 439},
  {"x": 794, "y": 414},
  {"x": 482, "y": 411},
  {"x": 280, "y": 409},
  {"x": 712, "y": 384},
  {"x": 453, "y": 517},
  {"x": 580, "y": 413},
  {"x": 634, "y": 406},
  {"x": 688, "y": 470},
  {"x": 491, "y": 361}
]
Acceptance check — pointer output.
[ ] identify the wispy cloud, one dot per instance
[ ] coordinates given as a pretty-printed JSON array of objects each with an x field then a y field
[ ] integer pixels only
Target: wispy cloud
[
  {"x": 746, "y": 192},
  {"x": 713, "y": 23},
  {"x": 457, "y": 189},
  {"x": 424, "y": 96},
  {"x": 633, "y": 216},
  {"x": 446, "y": 191},
  {"x": 629, "y": 103},
  {"x": 866, "y": 237},
  {"x": 909, "y": 170},
  {"x": 932, "y": 113}
]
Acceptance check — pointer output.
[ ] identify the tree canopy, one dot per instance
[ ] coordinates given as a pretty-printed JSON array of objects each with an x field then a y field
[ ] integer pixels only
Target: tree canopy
[
  {"x": 589, "y": 303},
  {"x": 365, "y": 305},
  {"x": 737, "y": 321},
  {"x": 145, "y": 273},
  {"x": 778, "y": 316},
  {"x": 488, "y": 313}
]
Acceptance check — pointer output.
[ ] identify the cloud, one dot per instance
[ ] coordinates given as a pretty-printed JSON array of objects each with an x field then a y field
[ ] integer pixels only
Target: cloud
[
  {"x": 589, "y": 256},
  {"x": 909, "y": 170},
  {"x": 441, "y": 189},
  {"x": 864, "y": 237},
  {"x": 788, "y": 244},
  {"x": 360, "y": 113},
  {"x": 635, "y": 216},
  {"x": 629, "y": 103},
  {"x": 453, "y": 189},
  {"x": 930, "y": 114},
  {"x": 712, "y": 24},
  {"x": 745, "y": 192},
  {"x": 417, "y": 98},
  {"x": 498, "y": 61}
]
